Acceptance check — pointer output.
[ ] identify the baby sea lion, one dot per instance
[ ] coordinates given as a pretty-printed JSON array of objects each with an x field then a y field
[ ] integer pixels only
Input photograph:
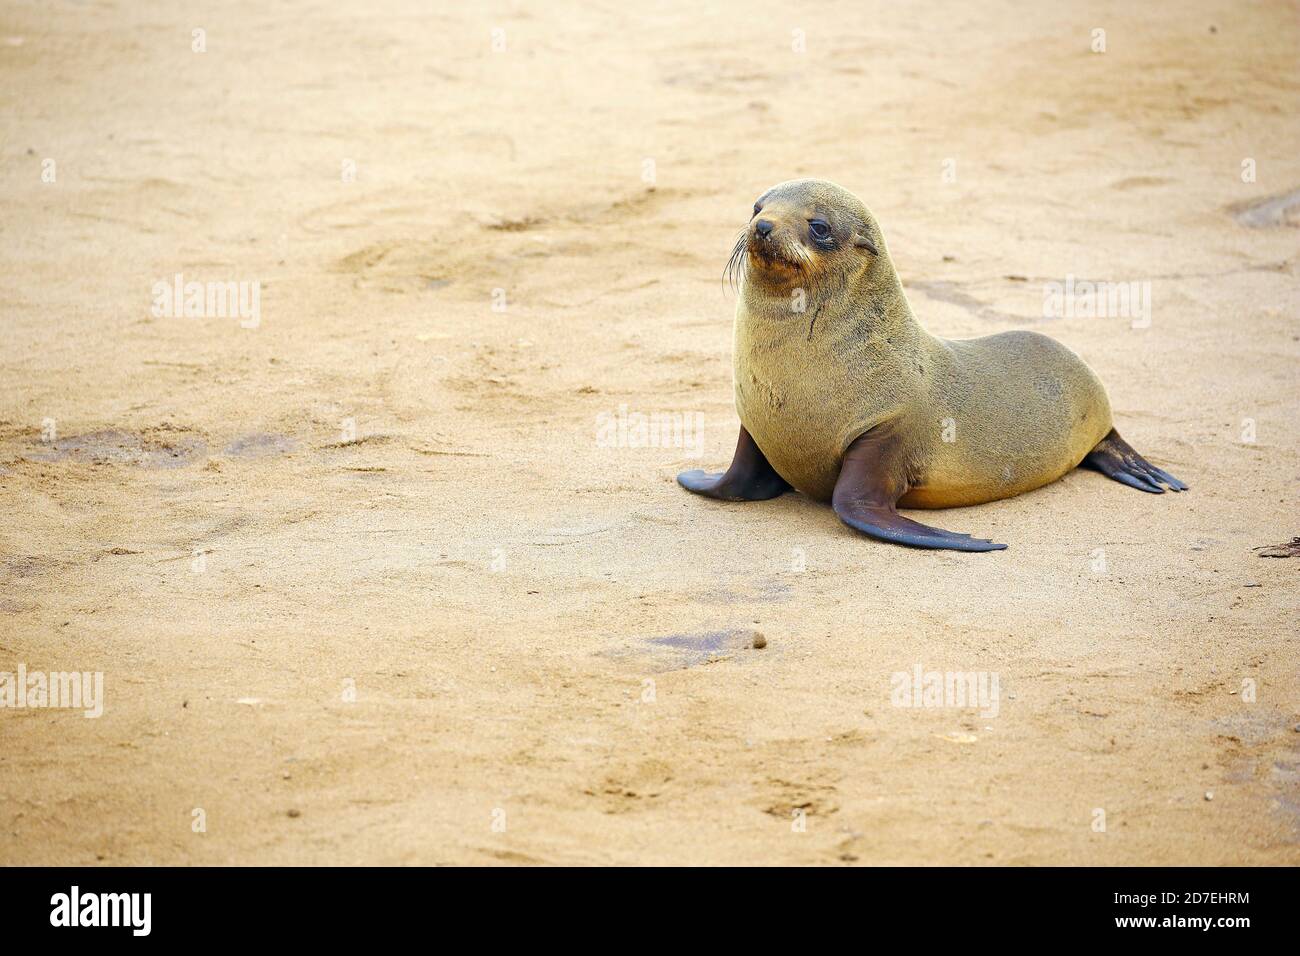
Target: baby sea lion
[{"x": 843, "y": 396}]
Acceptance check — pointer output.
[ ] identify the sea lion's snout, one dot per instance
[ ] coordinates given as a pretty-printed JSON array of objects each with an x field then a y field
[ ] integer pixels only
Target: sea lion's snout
[
  {"x": 773, "y": 244},
  {"x": 765, "y": 235}
]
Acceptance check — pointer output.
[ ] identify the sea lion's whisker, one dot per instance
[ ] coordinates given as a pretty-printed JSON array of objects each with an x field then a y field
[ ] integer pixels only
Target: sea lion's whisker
[{"x": 734, "y": 262}]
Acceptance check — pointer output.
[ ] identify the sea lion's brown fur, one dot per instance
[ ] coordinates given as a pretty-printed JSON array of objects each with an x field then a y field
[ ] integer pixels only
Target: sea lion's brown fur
[
  {"x": 843, "y": 396},
  {"x": 980, "y": 419}
]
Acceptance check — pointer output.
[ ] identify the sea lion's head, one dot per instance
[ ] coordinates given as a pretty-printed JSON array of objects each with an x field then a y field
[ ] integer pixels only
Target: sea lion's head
[{"x": 805, "y": 232}]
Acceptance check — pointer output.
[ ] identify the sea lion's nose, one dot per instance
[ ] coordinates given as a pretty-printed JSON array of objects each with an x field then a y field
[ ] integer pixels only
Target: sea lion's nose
[{"x": 764, "y": 228}]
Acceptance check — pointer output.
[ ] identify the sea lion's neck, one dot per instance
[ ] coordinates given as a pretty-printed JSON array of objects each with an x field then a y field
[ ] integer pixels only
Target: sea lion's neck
[
  {"x": 881, "y": 290},
  {"x": 867, "y": 305}
]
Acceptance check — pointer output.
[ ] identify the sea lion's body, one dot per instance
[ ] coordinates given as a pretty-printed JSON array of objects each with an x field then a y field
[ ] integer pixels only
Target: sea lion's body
[
  {"x": 843, "y": 396},
  {"x": 981, "y": 419}
]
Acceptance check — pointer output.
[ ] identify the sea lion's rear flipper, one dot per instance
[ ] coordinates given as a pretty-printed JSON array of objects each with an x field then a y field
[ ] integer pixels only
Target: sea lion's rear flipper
[
  {"x": 869, "y": 487},
  {"x": 1115, "y": 458},
  {"x": 750, "y": 477}
]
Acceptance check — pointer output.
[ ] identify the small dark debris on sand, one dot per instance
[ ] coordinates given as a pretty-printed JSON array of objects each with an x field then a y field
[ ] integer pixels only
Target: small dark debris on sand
[{"x": 1289, "y": 550}]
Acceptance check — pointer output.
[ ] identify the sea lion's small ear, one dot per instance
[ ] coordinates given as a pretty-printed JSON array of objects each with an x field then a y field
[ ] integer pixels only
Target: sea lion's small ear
[{"x": 863, "y": 242}]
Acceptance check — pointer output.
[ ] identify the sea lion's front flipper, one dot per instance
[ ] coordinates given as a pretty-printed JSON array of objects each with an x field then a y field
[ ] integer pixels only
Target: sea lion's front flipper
[
  {"x": 1115, "y": 458},
  {"x": 868, "y": 488},
  {"x": 750, "y": 477}
]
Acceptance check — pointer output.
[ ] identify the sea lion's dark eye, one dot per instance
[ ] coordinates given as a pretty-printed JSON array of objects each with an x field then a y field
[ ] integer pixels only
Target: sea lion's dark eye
[
  {"x": 819, "y": 228},
  {"x": 757, "y": 207}
]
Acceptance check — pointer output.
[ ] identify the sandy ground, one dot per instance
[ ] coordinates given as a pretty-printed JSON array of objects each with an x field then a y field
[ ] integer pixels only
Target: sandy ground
[{"x": 366, "y": 586}]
